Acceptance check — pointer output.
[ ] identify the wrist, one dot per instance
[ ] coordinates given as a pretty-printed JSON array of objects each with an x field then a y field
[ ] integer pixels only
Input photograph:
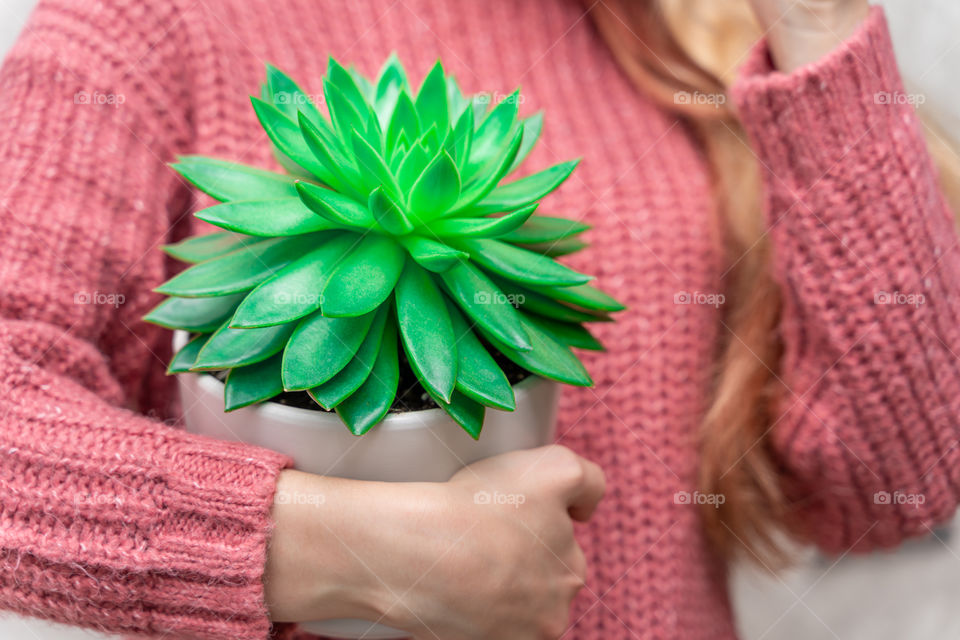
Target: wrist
[
  {"x": 311, "y": 573},
  {"x": 810, "y": 30},
  {"x": 341, "y": 548}
]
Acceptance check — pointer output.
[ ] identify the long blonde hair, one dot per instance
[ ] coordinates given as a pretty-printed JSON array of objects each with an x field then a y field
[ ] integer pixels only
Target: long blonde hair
[{"x": 666, "y": 46}]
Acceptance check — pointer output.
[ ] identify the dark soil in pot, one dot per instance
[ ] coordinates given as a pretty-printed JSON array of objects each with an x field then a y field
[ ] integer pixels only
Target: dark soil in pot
[{"x": 410, "y": 394}]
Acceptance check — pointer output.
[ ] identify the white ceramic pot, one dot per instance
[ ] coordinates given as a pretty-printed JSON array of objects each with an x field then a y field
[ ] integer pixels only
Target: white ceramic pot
[{"x": 424, "y": 446}]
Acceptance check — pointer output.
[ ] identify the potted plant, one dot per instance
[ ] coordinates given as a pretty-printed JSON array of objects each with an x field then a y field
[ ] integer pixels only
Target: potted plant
[{"x": 386, "y": 284}]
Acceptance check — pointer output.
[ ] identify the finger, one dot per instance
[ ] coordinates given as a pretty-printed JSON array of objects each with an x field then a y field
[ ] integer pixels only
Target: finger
[{"x": 586, "y": 496}]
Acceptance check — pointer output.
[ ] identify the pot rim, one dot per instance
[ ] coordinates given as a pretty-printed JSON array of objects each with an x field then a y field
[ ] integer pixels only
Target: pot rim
[{"x": 329, "y": 419}]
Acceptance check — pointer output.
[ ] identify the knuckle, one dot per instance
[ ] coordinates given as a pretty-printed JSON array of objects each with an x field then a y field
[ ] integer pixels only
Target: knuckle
[
  {"x": 560, "y": 450},
  {"x": 573, "y": 470},
  {"x": 557, "y": 452},
  {"x": 561, "y": 455}
]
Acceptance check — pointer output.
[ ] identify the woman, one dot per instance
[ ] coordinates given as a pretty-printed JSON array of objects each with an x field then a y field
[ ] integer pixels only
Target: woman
[{"x": 776, "y": 372}]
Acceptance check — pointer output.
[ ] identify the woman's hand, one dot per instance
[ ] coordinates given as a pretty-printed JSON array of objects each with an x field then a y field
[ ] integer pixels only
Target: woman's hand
[
  {"x": 800, "y": 32},
  {"x": 489, "y": 554}
]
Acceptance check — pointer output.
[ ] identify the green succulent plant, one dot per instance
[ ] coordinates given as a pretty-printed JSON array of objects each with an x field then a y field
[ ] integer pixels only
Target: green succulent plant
[{"x": 390, "y": 230}]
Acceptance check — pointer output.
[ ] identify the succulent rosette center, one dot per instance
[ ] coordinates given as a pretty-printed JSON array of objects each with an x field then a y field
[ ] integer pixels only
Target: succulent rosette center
[{"x": 391, "y": 229}]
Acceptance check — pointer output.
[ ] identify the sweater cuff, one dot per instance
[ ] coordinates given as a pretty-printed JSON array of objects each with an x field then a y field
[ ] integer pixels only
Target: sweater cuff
[
  {"x": 155, "y": 531},
  {"x": 802, "y": 124},
  {"x": 212, "y": 538}
]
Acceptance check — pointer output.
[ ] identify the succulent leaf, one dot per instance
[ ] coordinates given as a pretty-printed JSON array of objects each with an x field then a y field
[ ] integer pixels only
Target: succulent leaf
[
  {"x": 364, "y": 278},
  {"x": 486, "y": 304},
  {"x": 478, "y": 375},
  {"x": 335, "y": 207},
  {"x": 583, "y": 295},
  {"x": 370, "y": 403},
  {"x": 253, "y": 383},
  {"x": 556, "y": 249},
  {"x": 545, "y": 229},
  {"x": 363, "y": 84},
  {"x": 529, "y": 299},
  {"x": 289, "y": 98},
  {"x": 404, "y": 121},
  {"x": 327, "y": 149},
  {"x": 463, "y": 138},
  {"x": 399, "y": 153},
  {"x": 426, "y": 330},
  {"x": 201, "y": 315},
  {"x": 412, "y": 167},
  {"x": 373, "y": 168},
  {"x": 487, "y": 178},
  {"x": 432, "y": 107},
  {"x": 432, "y": 255},
  {"x": 546, "y": 357},
  {"x": 345, "y": 118},
  {"x": 455, "y": 98},
  {"x": 344, "y": 81},
  {"x": 493, "y": 133},
  {"x": 392, "y": 78},
  {"x": 267, "y": 218},
  {"x": 201, "y": 248},
  {"x": 294, "y": 291},
  {"x": 388, "y": 213},
  {"x": 532, "y": 127},
  {"x": 437, "y": 188},
  {"x": 339, "y": 387},
  {"x": 465, "y": 412},
  {"x": 526, "y": 190},
  {"x": 183, "y": 360},
  {"x": 485, "y": 227},
  {"x": 571, "y": 334},
  {"x": 320, "y": 347},
  {"x": 285, "y": 134},
  {"x": 229, "y": 181},
  {"x": 519, "y": 264},
  {"x": 228, "y": 347},
  {"x": 240, "y": 270},
  {"x": 390, "y": 227}
]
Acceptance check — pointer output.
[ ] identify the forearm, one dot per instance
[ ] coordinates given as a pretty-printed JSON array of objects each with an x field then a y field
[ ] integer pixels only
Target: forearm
[{"x": 337, "y": 545}]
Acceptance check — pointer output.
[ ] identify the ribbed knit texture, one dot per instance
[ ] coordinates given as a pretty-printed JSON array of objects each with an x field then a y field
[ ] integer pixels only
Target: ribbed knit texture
[{"x": 115, "y": 520}]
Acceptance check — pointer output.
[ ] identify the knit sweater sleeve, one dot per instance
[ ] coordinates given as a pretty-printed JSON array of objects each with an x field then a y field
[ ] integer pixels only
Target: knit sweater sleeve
[
  {"x": 866, "y": 254},
  {"x": 108, "y": 519}
]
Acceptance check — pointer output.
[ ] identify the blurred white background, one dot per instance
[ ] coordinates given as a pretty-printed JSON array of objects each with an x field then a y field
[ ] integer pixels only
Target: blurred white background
[{"x": 912, "y": 593}]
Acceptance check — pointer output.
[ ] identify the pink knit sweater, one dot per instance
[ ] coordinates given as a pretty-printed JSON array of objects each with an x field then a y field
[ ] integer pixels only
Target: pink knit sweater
[{"x": 112, "y": 517}]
